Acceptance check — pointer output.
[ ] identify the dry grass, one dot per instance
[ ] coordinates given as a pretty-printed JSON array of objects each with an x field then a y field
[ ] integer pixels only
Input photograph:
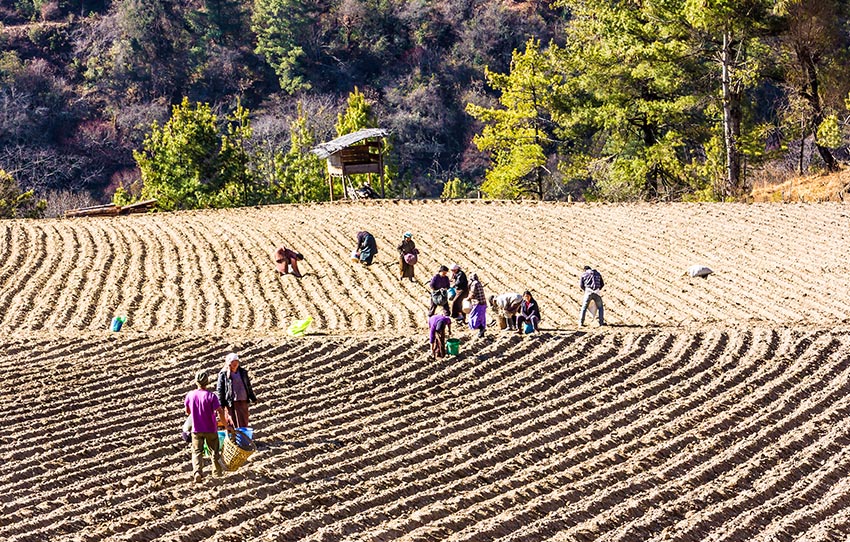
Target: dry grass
[{"x": 811, "y": 188}]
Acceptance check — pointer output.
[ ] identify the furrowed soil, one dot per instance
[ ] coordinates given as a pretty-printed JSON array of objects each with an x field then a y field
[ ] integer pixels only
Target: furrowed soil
[{"x": 708, "y": 409}]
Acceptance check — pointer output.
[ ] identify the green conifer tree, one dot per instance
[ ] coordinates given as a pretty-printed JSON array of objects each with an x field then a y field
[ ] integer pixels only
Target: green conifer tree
[
  {"x": 518, "y": 134},
  {"x": 302, "y": 173}
]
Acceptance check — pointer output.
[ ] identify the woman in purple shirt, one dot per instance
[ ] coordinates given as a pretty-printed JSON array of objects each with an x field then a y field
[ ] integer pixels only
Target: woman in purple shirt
[
  {"x": 202, "y": 406},
  {"x": 437, "y": 326},
  {"x": 439, "y": 288}
]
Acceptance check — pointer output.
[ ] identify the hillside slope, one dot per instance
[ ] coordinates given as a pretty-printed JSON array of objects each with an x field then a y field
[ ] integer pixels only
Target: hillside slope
[{"x": 211, "y": 271}]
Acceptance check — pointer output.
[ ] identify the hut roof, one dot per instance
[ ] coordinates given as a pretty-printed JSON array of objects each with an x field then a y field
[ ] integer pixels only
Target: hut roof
[{"x": 334, "y": 146}]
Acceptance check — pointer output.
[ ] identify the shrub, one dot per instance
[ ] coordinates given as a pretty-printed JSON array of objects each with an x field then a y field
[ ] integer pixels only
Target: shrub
[{"x": 15, "y": 203}]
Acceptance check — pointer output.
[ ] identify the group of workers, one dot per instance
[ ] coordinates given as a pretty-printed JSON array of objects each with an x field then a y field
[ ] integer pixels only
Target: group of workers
[
  {"x": 461, "y": 298},
  {"x": 227, "y": 407}
]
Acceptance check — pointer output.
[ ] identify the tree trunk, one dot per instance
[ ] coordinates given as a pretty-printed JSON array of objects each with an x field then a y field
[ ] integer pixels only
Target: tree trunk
[
  {"x": 813, "y": 97},
  {"x": 731, "y": 120},
  {"x": 651, "y": 180}
]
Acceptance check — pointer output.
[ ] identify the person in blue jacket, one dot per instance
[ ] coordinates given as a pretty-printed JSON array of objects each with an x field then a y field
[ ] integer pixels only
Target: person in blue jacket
[{"x": 366, "y": 247}]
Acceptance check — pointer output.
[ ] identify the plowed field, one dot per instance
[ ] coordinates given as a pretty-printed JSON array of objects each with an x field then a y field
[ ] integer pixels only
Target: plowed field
[
  {"x": 711, "y": 409},
  {"x": 212, "y": 271}
]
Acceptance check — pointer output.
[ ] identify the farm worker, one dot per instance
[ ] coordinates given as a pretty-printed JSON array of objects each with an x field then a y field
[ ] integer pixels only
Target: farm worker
[
  {"x": 439, "y": 291},
  {"x": 287, "y": 261},
  {"x": 202, "y": 406},
  {"x": 437, "y": 326},
  {"x": 591, "y": 284},
  {"x": 461, "y": 286},
  {"x": 366, "y": 247},
  {"x": 406, "y": 247},
  {"x": 529, "y": 312},
  {"x": 506, "y": 307},
  {"x": 234, "y": 390},
  {"x": 478, "y": 312}
]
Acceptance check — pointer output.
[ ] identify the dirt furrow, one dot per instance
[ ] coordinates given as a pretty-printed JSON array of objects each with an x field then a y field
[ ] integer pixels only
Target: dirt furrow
[
  {"x": 696, "y": 471},
  {"x": 21, "y": 294},
  {"x": 620, "y": 459},
  {"x": 95, "y": 277}
]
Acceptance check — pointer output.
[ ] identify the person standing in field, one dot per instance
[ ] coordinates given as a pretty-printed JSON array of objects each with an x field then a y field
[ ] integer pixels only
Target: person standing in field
[
  {"x": 506, "y": 307},
  {"x": 234, "y": 391},
  {"x": 203, "y": 406},
  {"x": 367, "y": 248},
  {"x": 478, "y": 312},
  {"x": 439, "y": 291},
  {"x": 591, "y": 284},
  {"x": 529, "y": 312},
  {"x": 407, "y": 247},
  {"x": 461, "y": 286},
  {"x": 287, "y": 261},
  {"x": 438, "y": 324}
]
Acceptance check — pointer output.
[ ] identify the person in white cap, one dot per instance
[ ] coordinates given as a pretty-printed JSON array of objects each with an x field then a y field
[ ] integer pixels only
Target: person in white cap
[{"x": 234, "y": 391}]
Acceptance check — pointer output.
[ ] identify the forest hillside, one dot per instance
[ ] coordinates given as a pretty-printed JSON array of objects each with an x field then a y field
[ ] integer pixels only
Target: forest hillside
[{"x": 683, "y": 100}]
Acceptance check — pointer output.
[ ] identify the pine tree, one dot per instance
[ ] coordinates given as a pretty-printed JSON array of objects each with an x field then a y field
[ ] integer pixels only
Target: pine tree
[
  {"x": 188, "y": 164},
  {"x": 16, "y": 203},
  {"x": 281, "y": 27},
  {"x": 731, "y": 32},
  {"x": 633, "y": 108},
  {"x": 518, "y": 134},
  {"x": 302, "y": 173},
  {"x": 356, "y": 116}
]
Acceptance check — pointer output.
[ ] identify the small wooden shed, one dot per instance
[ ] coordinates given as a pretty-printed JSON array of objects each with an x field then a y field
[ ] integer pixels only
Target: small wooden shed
[{"x": 354, "y": 153}]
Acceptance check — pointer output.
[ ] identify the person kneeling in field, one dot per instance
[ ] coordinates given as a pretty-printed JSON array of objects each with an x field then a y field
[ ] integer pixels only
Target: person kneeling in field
[
  {"x": 287, "y": 261},
  {"x": 529, "y": 312},
  {"x": 367, "y": 248},
  {"x": 438, "y": 324},
  {"x": 202, "y": 406}
]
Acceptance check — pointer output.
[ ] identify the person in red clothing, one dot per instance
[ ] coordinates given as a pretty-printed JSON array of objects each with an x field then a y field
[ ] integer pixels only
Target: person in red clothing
[
  {"x": 202, "y": 406},
  {"x": 287, "y": 261}
]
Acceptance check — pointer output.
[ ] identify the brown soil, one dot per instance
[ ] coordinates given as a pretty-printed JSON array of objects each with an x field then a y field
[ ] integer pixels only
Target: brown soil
[{"x": 710, "y": 409}]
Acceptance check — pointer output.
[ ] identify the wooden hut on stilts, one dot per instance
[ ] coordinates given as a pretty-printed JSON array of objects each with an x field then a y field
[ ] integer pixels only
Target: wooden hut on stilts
[{"x": 355, "y": 153}]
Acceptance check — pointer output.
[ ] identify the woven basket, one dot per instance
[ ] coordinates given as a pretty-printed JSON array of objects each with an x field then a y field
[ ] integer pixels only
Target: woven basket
[{"x": 236, "y": 451}]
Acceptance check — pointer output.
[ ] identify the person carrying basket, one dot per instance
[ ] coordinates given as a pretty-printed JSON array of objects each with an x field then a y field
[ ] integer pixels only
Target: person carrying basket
[{"x": 202, "y": 406}]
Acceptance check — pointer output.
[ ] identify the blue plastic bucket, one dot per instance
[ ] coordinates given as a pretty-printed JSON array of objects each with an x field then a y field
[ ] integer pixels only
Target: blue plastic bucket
[
  {"x": 117, "y": 322},
  {"x": 243, "y": 440}
]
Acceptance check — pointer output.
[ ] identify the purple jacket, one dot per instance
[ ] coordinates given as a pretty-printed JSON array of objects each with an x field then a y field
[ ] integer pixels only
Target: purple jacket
[
  {"x": 436, "y": 323},
  {"x": 440, "y": 282}
]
